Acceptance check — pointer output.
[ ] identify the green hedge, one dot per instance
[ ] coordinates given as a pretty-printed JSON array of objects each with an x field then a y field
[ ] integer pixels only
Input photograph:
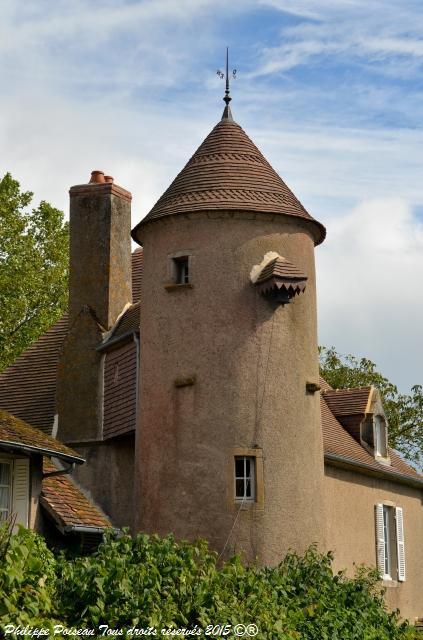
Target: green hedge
[{"x": 154, "y": 582}]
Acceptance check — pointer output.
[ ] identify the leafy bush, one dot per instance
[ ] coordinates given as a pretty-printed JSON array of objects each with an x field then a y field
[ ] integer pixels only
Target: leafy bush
[
  {"x": 27, "y": 580},
  {"x": 153, "y": 582}
]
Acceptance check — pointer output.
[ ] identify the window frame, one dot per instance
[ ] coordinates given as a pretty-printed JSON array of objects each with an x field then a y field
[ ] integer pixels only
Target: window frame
[
  {"x": 387, "y": 555},
  {"x": 8, "y": 510},
  {"x": 248, "y": 479},
  {"x": 234, "y": 503},
  {"x": 390, "y": 547},
  {"x": 380, "y": 437},
  {"x": 180, "y": 269}
]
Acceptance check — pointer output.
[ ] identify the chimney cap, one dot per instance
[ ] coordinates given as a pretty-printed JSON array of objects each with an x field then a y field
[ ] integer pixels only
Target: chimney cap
[
  {"x": 97, "y": 177},
  {"x": 109, "y": 179}
]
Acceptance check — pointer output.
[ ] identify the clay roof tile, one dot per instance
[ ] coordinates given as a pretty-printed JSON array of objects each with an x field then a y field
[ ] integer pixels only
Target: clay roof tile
[
  {"x": 228, "y": 172},
  {"x": 68, "y": 505},
  {"x": 344, "y": 402}
]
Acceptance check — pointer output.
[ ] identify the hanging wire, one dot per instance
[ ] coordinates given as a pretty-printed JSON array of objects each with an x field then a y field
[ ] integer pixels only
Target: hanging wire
[{"x": 235, "y": 520}]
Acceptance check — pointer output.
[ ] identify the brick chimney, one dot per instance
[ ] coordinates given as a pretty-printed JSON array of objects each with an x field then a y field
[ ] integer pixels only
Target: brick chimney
[{"x": 99, "y": 290}]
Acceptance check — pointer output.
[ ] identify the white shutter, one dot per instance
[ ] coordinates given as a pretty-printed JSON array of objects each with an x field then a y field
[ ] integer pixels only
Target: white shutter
[
  {"x": 380, "y": 539},
  {"x": 21, "y": 490},
  {"x": 400, "y": 543}
]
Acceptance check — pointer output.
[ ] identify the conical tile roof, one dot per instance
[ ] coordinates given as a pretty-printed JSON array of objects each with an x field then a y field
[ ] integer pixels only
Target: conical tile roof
[{"x": 228, "y": 172}]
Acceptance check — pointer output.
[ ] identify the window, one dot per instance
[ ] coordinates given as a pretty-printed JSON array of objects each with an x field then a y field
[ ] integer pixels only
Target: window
[
  {"x": 181, "y": 270},
  {"x": 387, "y": 542},
  {"x": 245, "y": 488},
  {"x": 5, "y": 490},
  {"x": 14, "y": 489},
  {"x": 380, "y": 437},
  {"x": 390, "y": 542},
  {"x": 367, "y": 433}
]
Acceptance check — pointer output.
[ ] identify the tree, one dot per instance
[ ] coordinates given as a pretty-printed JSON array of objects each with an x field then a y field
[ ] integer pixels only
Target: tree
[
  {"x": 404, "y": 411},
  {"x": 34, "y": 257}
]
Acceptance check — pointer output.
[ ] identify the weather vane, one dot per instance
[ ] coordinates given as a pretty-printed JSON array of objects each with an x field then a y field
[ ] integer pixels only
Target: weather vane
[{"x": 222, "y": 75}]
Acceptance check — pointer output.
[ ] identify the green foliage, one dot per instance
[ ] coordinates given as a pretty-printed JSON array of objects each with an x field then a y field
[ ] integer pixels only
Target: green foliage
[
  {"x": 27, "y": 581},
  {"x": 34, "y": 256},
  {"x": 404, "y": 411},
  {"x": 153, "y": 582}
]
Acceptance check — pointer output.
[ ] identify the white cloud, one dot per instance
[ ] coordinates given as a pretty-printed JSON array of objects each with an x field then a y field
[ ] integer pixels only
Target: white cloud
[
  {"x": 378, "y": 35},
  {"x": 369, "y": 276},
  {"x": 129, "y": 86}
]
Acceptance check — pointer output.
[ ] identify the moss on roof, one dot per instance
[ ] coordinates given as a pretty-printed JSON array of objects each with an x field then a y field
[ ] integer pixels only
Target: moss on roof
[{"x": 16, "y": 432}]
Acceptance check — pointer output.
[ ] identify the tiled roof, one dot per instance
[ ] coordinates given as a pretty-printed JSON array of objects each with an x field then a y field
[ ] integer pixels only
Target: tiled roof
[
  {"x": 15, "y": 433},
  {"x": 228, "y": 172},
  {"x": 130, "y": 321},
  {"x": 120, "y": 390},
  {"x": 347, "y": 402},
  {"x": 28, "y": 386},
  {"x": 66, "y": 503},
  {"x": 282, "y": 268},
  {"x": 337, "y": 441}
]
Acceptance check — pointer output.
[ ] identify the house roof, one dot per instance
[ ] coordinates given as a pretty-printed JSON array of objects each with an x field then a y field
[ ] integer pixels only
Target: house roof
[
  {"x": 338, "y": 443},
  {"x": 129, "y": 322},
  {"x": 29, "y": 373},
  {"x": 28, "y": 386},
  {"x": 17, "y": 435},
  {"x": 69, "y": 507},
  {"x": 228, "y": 172},
  {"x": 347, "y": 402}
]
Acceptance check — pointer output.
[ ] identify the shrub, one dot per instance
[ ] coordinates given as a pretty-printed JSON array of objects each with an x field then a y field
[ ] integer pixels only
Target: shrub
[{"x": 147, "y": 581}]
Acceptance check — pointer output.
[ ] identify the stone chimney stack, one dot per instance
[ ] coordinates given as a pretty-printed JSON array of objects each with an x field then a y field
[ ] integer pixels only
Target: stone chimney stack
[
  {"x": 100, "y": 249},
  {"x": 99, "y": 290}
]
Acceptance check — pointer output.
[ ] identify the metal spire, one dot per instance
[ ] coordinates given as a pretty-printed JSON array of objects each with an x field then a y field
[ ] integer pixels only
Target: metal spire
[{"x": 227, "y": 114}]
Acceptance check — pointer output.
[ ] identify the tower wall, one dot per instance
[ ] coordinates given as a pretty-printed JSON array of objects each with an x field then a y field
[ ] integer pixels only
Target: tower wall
[{"x": 249, "y": 361}]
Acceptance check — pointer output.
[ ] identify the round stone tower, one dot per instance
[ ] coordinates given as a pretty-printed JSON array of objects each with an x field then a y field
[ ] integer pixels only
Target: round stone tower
[{"x": 229, "y": 438}]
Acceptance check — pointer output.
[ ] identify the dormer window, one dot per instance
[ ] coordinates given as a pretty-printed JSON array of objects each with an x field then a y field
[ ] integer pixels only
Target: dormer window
[
  {"x": 181, "y": 270},
  {"x": 380, "y": 438}
]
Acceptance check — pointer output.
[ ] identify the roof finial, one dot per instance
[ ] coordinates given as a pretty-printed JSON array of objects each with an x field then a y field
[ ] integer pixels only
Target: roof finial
[
  {"x": 227, "y": 97},
  {"x": 227, "y": 115}
]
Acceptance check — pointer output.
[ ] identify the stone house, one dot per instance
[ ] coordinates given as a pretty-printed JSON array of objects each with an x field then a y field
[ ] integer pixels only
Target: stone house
[{"x": 186, "y": 377}]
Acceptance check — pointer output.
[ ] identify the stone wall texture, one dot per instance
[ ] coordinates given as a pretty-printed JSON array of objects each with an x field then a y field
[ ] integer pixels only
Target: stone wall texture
[{"x": 251, "y": 361}]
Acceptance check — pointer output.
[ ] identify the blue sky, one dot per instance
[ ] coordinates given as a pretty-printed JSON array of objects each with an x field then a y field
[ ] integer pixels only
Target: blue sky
[{"x": 331, "y": 91}]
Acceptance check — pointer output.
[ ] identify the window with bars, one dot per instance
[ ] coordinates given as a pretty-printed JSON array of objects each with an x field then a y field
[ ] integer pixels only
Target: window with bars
[
  {"x": 5, "y": 490},
  {"x": 245, "y": 489}
]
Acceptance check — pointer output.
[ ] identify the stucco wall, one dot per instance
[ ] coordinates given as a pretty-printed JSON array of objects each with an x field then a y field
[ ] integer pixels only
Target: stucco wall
[
  {"x": 109, "y": 475},
  {"x": 350, "y": 503},
  {"x": 251, "y": 361}
]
